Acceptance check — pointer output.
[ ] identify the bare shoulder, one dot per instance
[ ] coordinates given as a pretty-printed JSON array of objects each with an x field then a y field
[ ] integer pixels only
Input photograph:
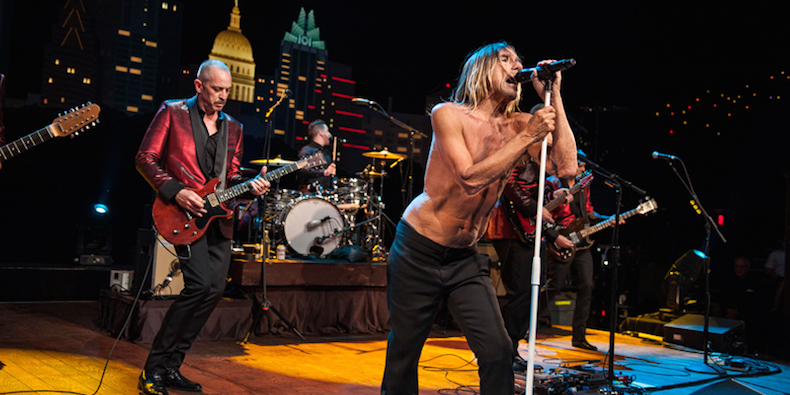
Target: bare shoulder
[
  {"x": 446, "y": 117},
  {"x": 446, "y": 109}
]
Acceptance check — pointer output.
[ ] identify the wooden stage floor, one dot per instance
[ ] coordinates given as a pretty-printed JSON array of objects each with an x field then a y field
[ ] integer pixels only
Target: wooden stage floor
[{"x": 55, "y": 346}]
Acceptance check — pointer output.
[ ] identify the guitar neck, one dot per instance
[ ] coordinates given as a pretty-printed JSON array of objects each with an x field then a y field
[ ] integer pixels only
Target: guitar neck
[
  {"x": 239, "y": 189},
  {"x": 605, "y": 224},
  {"x": 17, "y": 147},
  {"x": 554, "y": 203}
]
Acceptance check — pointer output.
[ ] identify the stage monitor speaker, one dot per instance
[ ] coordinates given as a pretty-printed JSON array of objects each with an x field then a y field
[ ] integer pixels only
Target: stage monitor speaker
[{"x": 724, "y": 335}]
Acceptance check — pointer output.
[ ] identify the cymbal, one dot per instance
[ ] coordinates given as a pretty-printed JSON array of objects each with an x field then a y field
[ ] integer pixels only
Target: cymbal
[
  {"x": 278, "y": 161},
  {"x": 371, "y": 174},
  {"x": 248, "y": 170},
  {"x": 383, "y": 154}
]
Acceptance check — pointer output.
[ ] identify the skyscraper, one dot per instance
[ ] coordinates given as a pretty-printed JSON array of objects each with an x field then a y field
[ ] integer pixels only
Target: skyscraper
[{"x": 70, "y": 59}]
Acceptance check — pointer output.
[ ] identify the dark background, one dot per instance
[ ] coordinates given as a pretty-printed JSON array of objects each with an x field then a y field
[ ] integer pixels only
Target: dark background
[{"x": 636, "y": 65}]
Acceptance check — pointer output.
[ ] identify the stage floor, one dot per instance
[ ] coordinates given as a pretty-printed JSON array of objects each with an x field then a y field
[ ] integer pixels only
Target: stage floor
[{"x": 56, "y": 346}]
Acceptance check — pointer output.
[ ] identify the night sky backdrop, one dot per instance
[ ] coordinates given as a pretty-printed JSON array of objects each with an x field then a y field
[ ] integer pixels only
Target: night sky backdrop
[{"x": 637, "y": 65}]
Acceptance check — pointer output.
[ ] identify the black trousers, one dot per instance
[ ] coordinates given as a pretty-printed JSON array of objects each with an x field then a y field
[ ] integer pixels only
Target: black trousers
[
  {"x": 204, "y": 284},
  {"x": 516, "y": 257},
  {"x": 420, "y": 274},
  {"x": 582, "y": 266}
]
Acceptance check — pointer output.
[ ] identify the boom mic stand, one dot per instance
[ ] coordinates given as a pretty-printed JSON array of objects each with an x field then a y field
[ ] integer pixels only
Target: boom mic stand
[
  {"x": 410, "y": 173},
  {"x": 265, "y": 304},
  {"x": 709, "y": 223},
  {"x": 616, "y": 183}
]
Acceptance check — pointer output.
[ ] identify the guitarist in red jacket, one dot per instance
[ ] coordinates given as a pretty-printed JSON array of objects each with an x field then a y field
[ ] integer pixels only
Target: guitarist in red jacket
[
  {"x": 511, "y": 231},
  {"x": 582, "y": 262},
  {"x": 188, "y": 143}
]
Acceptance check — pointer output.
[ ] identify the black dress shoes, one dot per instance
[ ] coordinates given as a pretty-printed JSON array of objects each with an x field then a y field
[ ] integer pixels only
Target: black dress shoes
[
  {"x": 151, "y": 384},
  {"x": 583, "y": 344},
  {"x": 175, "y": 380}
]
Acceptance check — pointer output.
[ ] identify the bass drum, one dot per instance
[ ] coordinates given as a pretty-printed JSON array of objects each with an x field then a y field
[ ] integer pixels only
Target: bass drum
[{"x": 313, "y": 226}]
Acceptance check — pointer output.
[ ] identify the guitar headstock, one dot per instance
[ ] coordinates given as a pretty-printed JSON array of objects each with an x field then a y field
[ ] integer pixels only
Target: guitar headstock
[
  {"x": 585, "y": 178},
  {"x": 647, "y": 207},
  {"x": 316, "y": 159},
  {"x": 75, "y": 120}
]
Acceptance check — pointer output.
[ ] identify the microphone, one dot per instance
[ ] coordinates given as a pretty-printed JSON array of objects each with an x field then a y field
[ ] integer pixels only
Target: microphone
[
  {"x": 363, "y": 102},
  {"x": 316, "y": 222},
  {"x": 544, "y": 71},
  {"x": 287, "y": 92},
  {"x": 658, "y": 155}
]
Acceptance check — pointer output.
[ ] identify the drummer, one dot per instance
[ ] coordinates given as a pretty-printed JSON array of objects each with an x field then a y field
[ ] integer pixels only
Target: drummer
[{"x": 317, "y": 179}]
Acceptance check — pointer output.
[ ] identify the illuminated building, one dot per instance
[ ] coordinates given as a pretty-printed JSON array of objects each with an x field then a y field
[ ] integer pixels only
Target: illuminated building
[
  {"x": 232, "y": 48},
  {"x": 114, "y": 55}
]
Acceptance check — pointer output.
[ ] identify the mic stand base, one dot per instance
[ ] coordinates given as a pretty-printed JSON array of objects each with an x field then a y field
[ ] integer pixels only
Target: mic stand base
[{"x": 265, "y": 305}]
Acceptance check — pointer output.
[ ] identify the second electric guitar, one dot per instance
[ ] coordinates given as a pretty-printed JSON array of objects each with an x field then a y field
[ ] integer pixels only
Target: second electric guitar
[
  {"x": 179, "y": 226},
  {"x": 579, "y": 232}
]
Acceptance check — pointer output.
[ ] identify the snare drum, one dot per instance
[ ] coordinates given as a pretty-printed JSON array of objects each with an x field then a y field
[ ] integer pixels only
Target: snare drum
[
  {"x": 313, "y": 225},
  {"x": 350, "y": 193}
]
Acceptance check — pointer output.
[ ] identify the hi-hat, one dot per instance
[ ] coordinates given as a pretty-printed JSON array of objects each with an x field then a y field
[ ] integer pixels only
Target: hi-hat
[
  {"x": 278, "y": 161},
  {"x": 383, "y": 154}
]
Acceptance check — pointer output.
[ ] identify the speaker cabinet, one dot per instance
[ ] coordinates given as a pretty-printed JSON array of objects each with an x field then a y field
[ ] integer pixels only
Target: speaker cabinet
[
  {"x": 166, "y": 263},
  {"x": 724, "y": 335},
  {"x": 161, "y": 254}
]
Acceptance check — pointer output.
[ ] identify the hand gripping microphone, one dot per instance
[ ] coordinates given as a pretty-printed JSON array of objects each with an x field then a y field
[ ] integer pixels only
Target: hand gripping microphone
[{"x": 544, "y": 71}]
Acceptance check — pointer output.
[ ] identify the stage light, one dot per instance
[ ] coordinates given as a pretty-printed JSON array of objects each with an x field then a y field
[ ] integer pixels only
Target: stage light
[{"x": 100, "y": 208}]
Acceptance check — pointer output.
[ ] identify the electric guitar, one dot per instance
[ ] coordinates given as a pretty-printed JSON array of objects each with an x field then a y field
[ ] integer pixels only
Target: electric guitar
[
  {"x": 179, "y": 226},
  {"x": 517, "y": 219},
  {"x": 579, "y": 231},
  {"x": 68, "y": 124}
]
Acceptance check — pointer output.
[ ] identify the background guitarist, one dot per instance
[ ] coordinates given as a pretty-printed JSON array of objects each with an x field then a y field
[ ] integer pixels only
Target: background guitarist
[
  {"x": 509, "y": 231},
  {"x": 582, "y": 263},
  {"x": 188, "y": 143}
]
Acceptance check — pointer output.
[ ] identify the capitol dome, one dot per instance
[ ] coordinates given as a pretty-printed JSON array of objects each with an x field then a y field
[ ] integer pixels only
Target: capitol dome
[
  {"x": 233, "y": 49},
  {"x": 232, "y": 44}
]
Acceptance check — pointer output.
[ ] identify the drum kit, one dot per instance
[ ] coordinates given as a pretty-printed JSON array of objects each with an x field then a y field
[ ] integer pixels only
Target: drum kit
[{"x": 320, "y": 223}]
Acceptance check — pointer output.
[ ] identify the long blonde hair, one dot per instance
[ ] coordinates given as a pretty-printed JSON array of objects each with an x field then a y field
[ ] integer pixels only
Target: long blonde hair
[{"x": 474, "y": 84}]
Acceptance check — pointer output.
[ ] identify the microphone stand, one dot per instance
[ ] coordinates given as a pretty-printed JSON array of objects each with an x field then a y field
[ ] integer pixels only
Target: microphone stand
[
  {"x": 377, "y": 107},
  {"x": 265, "y": 304},
  {"x": 709, "y": 224},
  {"x": 616, "y": 183},
  {"x": 536, "y": 259}
]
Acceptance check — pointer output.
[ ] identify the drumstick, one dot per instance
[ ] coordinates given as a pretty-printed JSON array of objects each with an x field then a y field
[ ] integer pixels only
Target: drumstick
[{"x": 334, "y": 149}]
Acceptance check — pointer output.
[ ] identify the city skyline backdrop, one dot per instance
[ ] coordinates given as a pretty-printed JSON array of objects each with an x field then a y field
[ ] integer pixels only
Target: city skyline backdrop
[{"x": 704, "y": 82}]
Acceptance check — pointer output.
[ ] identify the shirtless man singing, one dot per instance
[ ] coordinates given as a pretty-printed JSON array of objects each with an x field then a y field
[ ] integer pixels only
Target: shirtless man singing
[{"x": 478, "y": 138}]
